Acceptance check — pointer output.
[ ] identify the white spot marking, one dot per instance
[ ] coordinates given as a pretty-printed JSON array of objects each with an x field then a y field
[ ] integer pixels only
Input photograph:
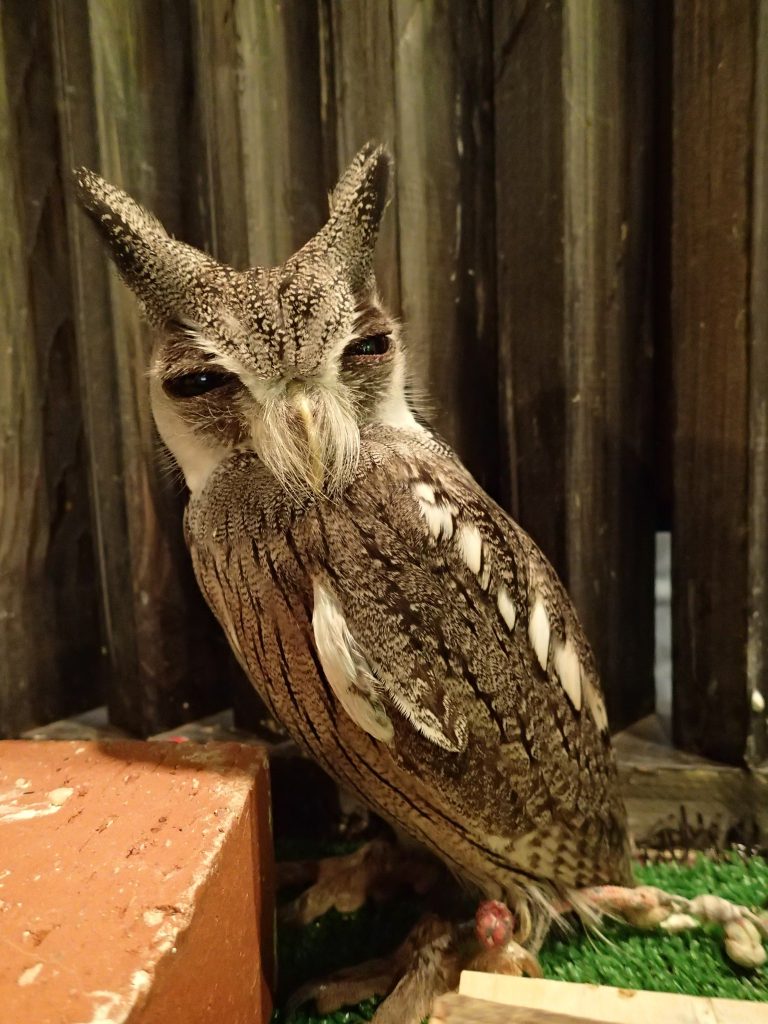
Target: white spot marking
[
  {"x": 758, "y": 702},
  {"x": 538, "y": 631},
  {"x": 471, "y": 546},
  {"x": 424, "y": 492},
  {"x": 140, "y": 981},
  {"x": 485, "y": 575},
  {"x": 11, "y": 811},
  {"x": 61, "y": 795},
  {"x": 438, "y": 518},
  {"x": 347, "y": 668},
  {"x": 568, "y": 669},
  {"x": 152, "y": 918},
  {"x": 595, "y": 703},
  {"x": 507, "y": 608},
  {"x": 29, "y": 976}
]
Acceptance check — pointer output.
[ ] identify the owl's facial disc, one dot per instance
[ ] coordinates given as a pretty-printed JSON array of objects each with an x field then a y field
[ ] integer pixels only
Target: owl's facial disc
[
  {"x": 291, "y": 361},
  {"x": 302, "y": 416}
]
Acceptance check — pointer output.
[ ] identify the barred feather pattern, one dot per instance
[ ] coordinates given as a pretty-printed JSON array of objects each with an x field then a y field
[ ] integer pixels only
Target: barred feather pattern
[
  {"x": 406, "y": 631},
  {"x": 526, "y": 804}
]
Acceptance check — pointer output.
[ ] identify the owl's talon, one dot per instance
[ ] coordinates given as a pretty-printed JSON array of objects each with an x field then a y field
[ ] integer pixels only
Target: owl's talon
[
  {"x": 646, "y": 907},
  {"x": 422, "y": 967},
  {"x": 374, "y": 871}
]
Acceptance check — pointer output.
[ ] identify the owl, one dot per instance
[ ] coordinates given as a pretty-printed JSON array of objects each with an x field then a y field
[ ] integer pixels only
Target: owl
[{"x": 405, "y": 630}]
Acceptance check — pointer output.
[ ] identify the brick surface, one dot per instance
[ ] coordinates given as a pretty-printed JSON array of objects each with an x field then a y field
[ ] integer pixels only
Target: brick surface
[{"x": 135, "y": 883}]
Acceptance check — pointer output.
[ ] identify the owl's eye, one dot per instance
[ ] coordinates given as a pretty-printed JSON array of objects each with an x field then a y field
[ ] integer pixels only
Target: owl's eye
[
  {"x": 374, "y": 345},
  {"x": 192, "y": 385}
]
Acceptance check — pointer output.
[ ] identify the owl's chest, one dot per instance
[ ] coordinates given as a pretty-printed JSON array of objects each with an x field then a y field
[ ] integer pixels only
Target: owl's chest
[{"x": 269, "y": 577}]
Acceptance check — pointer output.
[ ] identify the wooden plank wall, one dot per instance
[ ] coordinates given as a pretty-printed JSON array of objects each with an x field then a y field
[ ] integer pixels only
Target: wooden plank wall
[
  {"x": 720, "y": 378},
  {"x": 50, "y": 643},
  {"x": 573, "y": 159},
  {"x": 518, "y": 248}
]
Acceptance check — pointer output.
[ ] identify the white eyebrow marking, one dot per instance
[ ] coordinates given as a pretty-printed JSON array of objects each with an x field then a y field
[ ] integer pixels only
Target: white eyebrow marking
[
  {"x": 471, "y": 546},
  {"x": 568, "y": 669},
  {"x": 507, "y": 608},
  {"x": 538, "y": 631}
]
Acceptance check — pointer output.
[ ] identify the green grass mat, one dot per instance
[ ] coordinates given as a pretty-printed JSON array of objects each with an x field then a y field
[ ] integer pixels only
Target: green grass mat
[{"x": 692, "y": 963}]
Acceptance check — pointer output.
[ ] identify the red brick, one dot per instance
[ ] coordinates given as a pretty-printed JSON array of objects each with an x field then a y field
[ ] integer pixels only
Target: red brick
[{"x": 135, "y": 883}]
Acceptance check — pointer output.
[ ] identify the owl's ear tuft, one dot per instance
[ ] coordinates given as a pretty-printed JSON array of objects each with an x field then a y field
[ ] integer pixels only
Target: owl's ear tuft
[
  {"x": 133, "y": 235},
  {"x": 162, "y": 272},
  {"x": 362, "y": 192},
  {"x": 357, "y": 205}
]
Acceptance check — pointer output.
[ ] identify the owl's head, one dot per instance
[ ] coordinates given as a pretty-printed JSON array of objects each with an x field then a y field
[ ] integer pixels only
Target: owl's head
[{"x": 290, "y": 361}]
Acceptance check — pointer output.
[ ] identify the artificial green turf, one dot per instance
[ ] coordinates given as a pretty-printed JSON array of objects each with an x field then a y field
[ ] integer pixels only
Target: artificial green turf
[{"x": 693, "y": 962}]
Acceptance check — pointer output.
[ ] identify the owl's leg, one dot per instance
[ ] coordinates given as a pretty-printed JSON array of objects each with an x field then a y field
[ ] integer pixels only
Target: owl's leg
[
  {"x": 374, "y": 871},
  {"x": 647, "y": 907},
  {"x": 423, "y": 966}
]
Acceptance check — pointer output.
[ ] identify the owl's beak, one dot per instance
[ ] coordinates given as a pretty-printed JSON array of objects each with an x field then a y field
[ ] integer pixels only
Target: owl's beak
[{"x": 301, "y": 405}]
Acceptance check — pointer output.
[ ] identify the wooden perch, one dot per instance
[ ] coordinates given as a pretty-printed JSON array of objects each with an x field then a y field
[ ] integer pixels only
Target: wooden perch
[{"x": 497, "y": 999}]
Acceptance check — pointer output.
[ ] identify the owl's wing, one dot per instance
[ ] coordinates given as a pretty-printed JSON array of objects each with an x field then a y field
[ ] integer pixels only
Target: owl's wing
[{"x": 474, "y": 654}]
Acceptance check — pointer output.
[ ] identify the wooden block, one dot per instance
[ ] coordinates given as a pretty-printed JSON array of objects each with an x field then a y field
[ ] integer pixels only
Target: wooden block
[
  {"x": 135, "y": 883},
  {"x": 562, "y": 1002}
]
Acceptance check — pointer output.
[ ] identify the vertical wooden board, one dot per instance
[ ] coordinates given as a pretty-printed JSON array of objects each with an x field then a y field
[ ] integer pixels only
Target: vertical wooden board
[
  {"x": 528, "y": 101},
  {"x": 223, "y": 231},
  {"x": 28, "y": 676},
  {"x": 445, "y": 203},
  {"x": 572, "y": 128},
  {"x": 713, "y": 96},
  {"x": 111, "y": 58},
  {"x": 89, "y": 275},
  {"x": 609, "y": 482},
  {"x": 757, "y": 637},
  {"x": 67, "y": 570},
  {"x": 278, "y": 49},
  {"x": 361, "y": 86}
]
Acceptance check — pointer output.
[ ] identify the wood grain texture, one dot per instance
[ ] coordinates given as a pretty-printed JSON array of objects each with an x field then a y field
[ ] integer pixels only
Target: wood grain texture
[
  {"x": 757, "y": 630},
  {"x": 27, "y": 647},
  {"x": 444, "y": 144},
  {"x": 528, "y": 101},
  {"x": 49, "y": 606},
  {"x": 223, "y": 228},
  {"x": 714, "y": 65},
  {"x": 278, "y": 55},
  {"x": 111, "y": 56},
  {"x": 572, "y": 109},
  {"x": 582, "y": 1003},
  {"x": 359, "y": 83},
  {"x": 454, "y": 1008}
]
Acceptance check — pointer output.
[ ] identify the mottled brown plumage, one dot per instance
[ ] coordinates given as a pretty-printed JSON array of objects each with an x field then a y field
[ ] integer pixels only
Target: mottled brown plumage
[{"x": 406, "y": 631}]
